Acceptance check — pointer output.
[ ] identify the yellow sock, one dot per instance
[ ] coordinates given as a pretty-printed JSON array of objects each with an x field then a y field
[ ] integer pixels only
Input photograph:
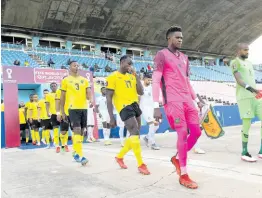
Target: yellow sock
[
  {"x": 73, "y": 138},
  {"x": 47, "y": 136},
  {"x": 125, "y": 149},
  {"x": 56, "y": 137},
  {"x": 62, "y": 138},
  {"x": 33, "y": 135},
  {"x": 66, "y": 138},
  {"x": 37, "y": 136},
  {"x": 26, "y": 139},
  {"x": 78, "y": 145},
  {"x": 135, "y": 144}
]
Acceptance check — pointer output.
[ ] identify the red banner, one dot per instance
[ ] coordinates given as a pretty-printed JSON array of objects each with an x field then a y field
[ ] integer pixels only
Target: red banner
[{"x": 49, "y": 75}]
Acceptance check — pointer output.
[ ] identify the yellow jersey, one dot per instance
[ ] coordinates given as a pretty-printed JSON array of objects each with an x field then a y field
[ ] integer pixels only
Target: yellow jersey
[
  {"x": 51, "y": 99},
  {"x": 33, "y": 108},
  {"x": 124, "y": 87},
  {"x": 2, "y": 107},
  {"x": 75, "y": 88},
  {"x": 42, "y": 108},
  {"x": 22, "y": 115},
  {"x": 27, "y": 106}
]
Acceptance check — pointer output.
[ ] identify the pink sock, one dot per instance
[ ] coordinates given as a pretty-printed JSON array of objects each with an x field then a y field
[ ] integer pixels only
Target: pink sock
[
  {"x": 195, "y": 133},
  {"x": 183, "y": 170}
]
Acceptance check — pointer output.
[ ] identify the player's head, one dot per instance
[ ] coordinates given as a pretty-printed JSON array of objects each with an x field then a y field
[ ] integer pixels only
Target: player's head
[
  {"x": 147, "y": 79},
  {"x": 21, "y": 104},
  {"x": 103, "y": 91},
  {"x": 242, "y": 50},
  {"x": 74, "y": 67},
  {"x": 31, "y": 97},
  {"x": 125, "y": 64},
  {"x": 35, "y": 97},
  {"x": 53, "y": 87},
  {"x": 45, "y": 92},
  {"x": 174, "y": 37}
]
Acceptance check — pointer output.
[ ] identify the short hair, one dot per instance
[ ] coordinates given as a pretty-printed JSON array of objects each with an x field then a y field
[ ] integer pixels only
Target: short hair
[
  {"x": 124, "y": 58},
  {"x": 53, "y": 83},
  {"x": 45, "y": 90},
  {"x": 147, "y": 75},
  {"x": 73, "y": 61},
  {"x": 173, "y": 29},
  {"x": 31, "y": 95},
  {"x": 102, "y": 88}
]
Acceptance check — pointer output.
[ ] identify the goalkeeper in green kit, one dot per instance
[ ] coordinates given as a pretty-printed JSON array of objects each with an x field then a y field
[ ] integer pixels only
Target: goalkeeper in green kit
[{"x": 249, "y": 99}]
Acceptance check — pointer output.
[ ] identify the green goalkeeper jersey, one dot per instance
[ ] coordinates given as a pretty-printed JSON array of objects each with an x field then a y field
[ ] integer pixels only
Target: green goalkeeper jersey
[{"x": 245, "y": 68}]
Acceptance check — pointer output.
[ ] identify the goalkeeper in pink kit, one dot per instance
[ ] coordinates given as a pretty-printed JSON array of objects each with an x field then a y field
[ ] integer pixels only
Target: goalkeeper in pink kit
[{"x": 171, "y": 76}]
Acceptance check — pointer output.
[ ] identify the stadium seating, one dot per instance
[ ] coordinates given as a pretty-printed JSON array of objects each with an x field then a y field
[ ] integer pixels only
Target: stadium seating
[{"x": 60, "y": 57}]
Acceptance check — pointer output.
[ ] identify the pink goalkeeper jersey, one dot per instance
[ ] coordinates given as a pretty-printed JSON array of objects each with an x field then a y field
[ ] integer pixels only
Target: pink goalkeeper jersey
[{"x": 171, "y": 75}]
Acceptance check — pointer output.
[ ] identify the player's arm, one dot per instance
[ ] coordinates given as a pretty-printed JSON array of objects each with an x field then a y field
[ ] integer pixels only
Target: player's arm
[
  {"x": 239, "y": 79},
  {"x": 62, "y": 98},
  {"x": 57, "y": 101},
  {"x": 47, "y": 105},
  {"x": 30, "y": 114},
  {"x": 109, "y": 100},
  {"x": 139, "y": 86},
  {"x": 26, "y": 109},
  {"x": 39, "y": 106}
]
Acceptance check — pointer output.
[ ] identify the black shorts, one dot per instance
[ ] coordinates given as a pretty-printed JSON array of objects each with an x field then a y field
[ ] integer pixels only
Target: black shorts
[
  {"x": 64, "y": 125},
  {"x": 78, "y": 117},
  {"x": 36, "y": 124},
  {"x": 54, "y": 121},
  {"x": 46, "y": 124},
  {"x": 24, "y": 127},
  {"x": 29, "y": 124},
  {"x": 130, "y": 111}
]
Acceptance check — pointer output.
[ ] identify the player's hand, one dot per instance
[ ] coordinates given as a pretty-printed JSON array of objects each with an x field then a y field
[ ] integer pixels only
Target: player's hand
[
  {"x": 259, "y": 95},
  {"x": 59, "y": 118},
  {"x": 133, "y": 71},
  {"x": 112, "y": 122},
  {"x": 100, "y": 115},
  {"x": 49, "y": 115},
  {"x": 91, "y": 105},
  {"x": 64, "y": 117},
  {"x": 157, "y": 114},
  {"x": 31, "y": 120},
  {"x": 200, "y": 105},
  {"x": 38, "y": 120}
]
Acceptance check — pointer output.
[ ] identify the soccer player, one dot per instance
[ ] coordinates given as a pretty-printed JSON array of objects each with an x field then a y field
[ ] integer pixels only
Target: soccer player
[
  {"x": 22, "y": 120},
  {"x": 146, "y": 105},
  {"x": 123, "y": 88},
  {"x": 249, "y": 106},
  {"x": 52, "y": 101},
  {"x": 103, "y": 114},
  {"x": 171, "y": 75},
  {"x": 27, "y": 107},
  {"x": 75, "y": 91},
  {"x": 90, "y": 123},
  {"x": 34, "y": 119},
  {"x": 45, "y": 119}
]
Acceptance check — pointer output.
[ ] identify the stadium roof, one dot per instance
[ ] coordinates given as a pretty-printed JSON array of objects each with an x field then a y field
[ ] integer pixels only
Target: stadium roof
[{"x": 208, "y": 25}]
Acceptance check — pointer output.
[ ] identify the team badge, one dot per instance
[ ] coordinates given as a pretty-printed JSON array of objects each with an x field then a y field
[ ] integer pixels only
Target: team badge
[{"x": 177, "y": 120}]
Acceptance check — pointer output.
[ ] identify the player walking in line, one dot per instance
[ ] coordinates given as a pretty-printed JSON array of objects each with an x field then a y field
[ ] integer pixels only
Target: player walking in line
[
  {"x": 75, "y": 91},
  {"x": 171, "y": 75},
  {"x": 249, "y": 105},
  {"x": 123, "y": 88},
  {"x": 146, "y": 105},
  {"x": 103, "y": 114}
]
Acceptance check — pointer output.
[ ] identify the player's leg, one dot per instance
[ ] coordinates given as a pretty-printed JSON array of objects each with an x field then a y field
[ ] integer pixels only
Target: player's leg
[
  {"x": 36, "y": 124},
  {"x": 27, "y": 134},
  {"x": 258, "y": 113},
  {"x": 22, "y": 128},
  {"x": 32, "y": 132},
  {"x": 90, "y": 133},
  {"x": 55, "y": 125},
  {"x": 64, "y": 127},
  {"x": 246, "y": 110},
  {"x": 83, "y": 123},
  {"x": 42, "y": 123},
  {"x": 48, "y": 127},
  {"x": 106, "y": 133},
  {"x": 197, "y": 148},
  {"x": 121, "y": 135},
  {"x": 175, "y": 113}
]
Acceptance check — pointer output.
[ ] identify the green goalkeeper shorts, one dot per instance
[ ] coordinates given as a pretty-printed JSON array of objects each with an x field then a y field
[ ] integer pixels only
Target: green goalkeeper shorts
[{"x": 250, "y": 108}]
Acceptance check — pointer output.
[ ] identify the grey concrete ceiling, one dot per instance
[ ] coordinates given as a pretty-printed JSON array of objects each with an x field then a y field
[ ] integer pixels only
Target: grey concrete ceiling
[{"x": 208, "y": 25}]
